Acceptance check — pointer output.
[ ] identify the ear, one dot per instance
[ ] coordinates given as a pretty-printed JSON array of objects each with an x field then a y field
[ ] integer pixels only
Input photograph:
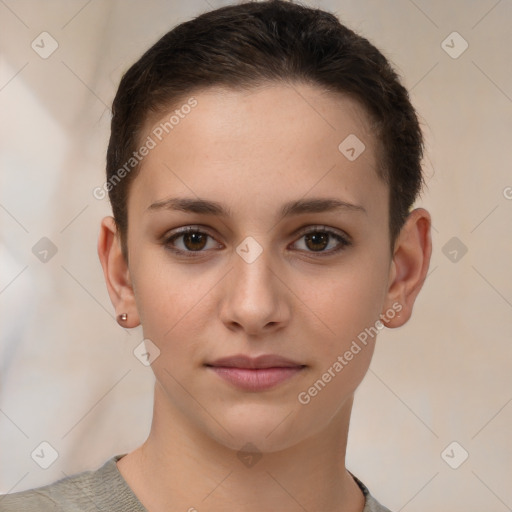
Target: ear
[
  {"x": 409, "y": 268},
  {"x": 117, "y": 273}
]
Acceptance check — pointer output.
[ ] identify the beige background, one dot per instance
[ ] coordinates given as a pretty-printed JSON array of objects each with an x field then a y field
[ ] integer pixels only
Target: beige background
[{"x": 68, "y": 375}]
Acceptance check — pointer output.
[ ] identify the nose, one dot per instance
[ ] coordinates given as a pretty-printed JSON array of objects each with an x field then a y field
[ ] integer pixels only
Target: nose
[{"x": 254, "y": 298}]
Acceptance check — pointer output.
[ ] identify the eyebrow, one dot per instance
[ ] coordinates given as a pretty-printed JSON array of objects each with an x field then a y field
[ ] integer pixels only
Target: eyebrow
[{"x": 300, "y": 206}]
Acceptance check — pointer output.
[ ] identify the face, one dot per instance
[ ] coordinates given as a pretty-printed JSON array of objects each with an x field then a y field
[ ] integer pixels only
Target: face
[{"x": 272, "y": 267}]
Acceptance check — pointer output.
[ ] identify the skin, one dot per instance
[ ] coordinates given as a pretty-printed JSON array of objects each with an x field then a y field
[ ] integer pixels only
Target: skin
[{"x": 253, "y": 151}]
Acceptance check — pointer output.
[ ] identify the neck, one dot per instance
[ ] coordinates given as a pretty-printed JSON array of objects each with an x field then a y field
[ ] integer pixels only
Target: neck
[{"x": 180, "y": 467}]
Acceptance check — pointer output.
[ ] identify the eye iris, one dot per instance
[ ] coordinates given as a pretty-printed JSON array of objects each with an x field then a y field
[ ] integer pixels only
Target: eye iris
[
  {"x": 316, "y": 238},
  {"x": 195, "y": 238}
]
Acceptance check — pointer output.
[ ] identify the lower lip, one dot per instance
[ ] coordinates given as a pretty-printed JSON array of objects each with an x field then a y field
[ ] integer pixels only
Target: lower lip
[{"x": 257, "y": 379}]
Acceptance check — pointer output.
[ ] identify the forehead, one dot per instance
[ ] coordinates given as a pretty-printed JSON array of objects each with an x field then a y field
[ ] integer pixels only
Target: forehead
[{"x": 276, "y": 141}]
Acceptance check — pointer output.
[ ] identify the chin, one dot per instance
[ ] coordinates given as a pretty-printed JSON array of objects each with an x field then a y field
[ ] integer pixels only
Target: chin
[
  {"x": 247, "y": 440},
  {"x": 253, "y": 428}
]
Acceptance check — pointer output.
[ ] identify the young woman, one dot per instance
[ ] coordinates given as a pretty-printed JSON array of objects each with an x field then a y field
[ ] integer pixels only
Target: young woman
[{"x": 262, "y": 166}]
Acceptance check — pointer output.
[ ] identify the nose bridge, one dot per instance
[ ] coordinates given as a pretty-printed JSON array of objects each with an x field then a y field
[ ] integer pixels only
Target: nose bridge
[
  {"x": 253, "y": 273},
  {"x": 254, "y": 295}
]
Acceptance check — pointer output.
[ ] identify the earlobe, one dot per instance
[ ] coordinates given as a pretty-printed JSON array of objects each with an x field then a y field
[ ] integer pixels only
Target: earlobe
[
  {"x": 117, "y": 274},
  {"x": 409, "y": 267}
]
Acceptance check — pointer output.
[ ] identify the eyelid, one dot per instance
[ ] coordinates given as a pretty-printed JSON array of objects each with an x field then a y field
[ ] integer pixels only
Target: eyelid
[{"x": 319, "y": 227}]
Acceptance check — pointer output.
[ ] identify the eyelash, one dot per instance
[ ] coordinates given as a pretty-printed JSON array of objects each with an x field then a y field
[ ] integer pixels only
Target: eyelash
[{"x": 343, "y": 240}]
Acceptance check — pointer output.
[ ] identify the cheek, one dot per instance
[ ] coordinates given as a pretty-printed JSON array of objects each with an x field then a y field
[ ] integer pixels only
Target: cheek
[
  {"x": 345, "y": 301},
  {"x": 170, "y": 298},
  {"x": 343, "y": 314}
]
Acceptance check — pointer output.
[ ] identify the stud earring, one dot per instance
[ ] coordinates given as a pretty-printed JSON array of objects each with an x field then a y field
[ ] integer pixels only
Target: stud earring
[{"x": 122, "y": 318}]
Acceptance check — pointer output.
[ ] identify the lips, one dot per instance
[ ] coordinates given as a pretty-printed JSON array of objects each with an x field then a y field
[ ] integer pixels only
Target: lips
[
  {"x": 263, "y": 361},
  {"x": 255, "y": 373}
]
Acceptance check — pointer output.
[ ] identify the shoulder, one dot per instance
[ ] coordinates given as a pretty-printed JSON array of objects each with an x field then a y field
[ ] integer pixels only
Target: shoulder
[
  {"x": 371, "y": 504},
  {"x": 88, "y": 491},
  {"x": 28, "y": 501}
]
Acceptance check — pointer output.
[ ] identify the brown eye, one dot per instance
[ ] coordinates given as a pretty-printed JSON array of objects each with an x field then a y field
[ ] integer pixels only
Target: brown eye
[
  {"x": 188, "y": 241},
  {"x": 318, "y": 239},
  {"x": 194, "y": 241}
]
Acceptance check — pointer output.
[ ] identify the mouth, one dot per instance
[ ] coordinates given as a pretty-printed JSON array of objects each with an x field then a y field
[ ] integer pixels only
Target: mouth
[{"x": 255, "y": 374}]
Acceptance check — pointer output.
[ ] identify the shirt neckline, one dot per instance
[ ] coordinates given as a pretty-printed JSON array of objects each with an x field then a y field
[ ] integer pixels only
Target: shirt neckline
[{"x": 111, "y": 467}]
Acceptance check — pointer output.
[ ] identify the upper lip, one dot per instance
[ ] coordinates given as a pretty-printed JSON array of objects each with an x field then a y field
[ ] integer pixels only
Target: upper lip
[{"x": 263, "y": 361}]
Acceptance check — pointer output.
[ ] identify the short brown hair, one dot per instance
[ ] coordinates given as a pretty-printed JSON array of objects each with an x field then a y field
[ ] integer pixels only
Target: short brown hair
[{"x": 248, "y": 44}]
